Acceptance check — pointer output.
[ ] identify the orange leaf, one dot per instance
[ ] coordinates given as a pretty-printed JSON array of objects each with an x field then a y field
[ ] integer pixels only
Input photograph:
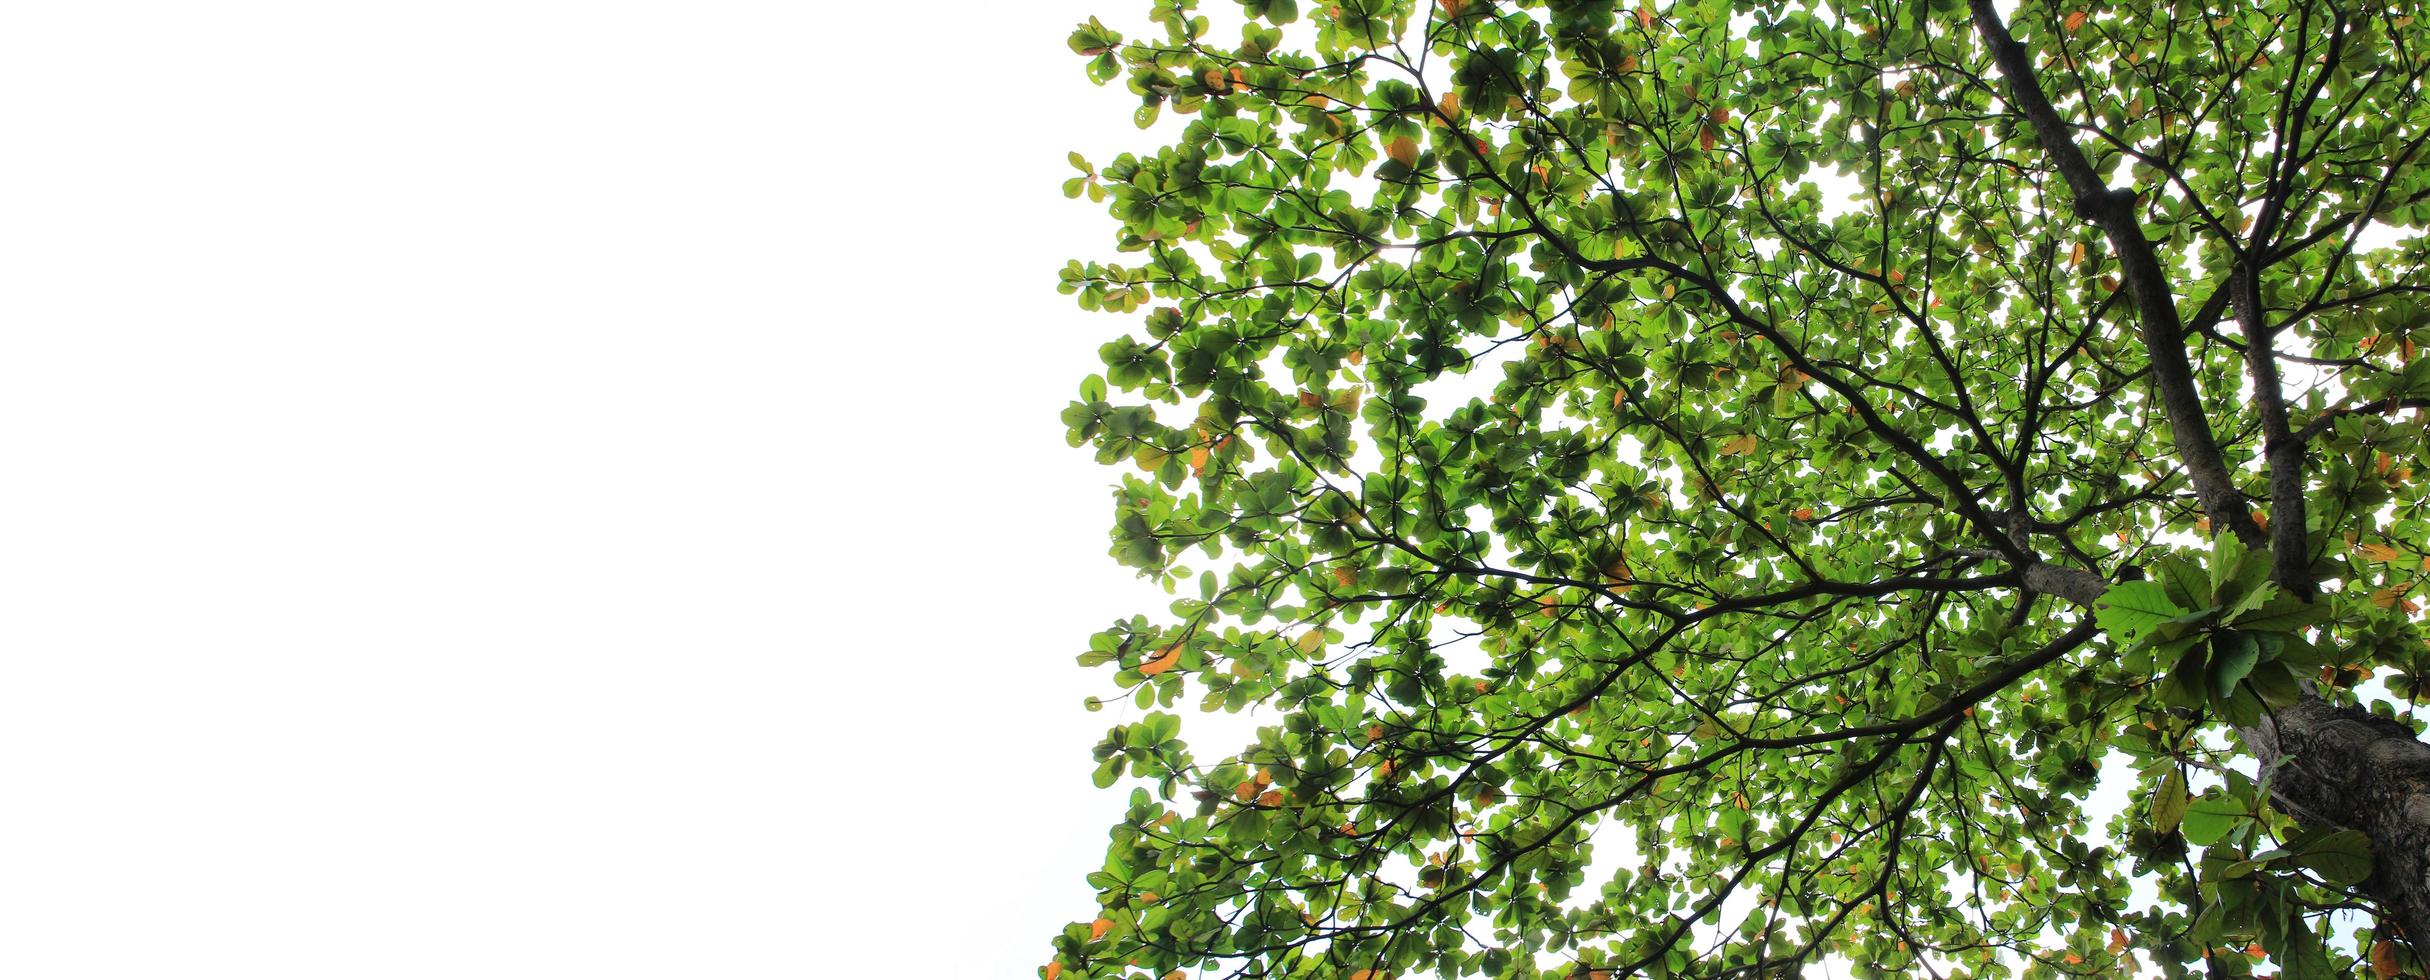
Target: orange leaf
[
  {"x": 1054, "y": 970},
  {"x": 1402, "y": 150},
  {"x": 1198, "y": 461},
  {"x": 1705, "y": 137},
  {"x": 1265, "y": 777},
  {"x": 1375, "y": 733},
  {"x": 1803, "y": 513},
  {"x": 2117, "y": 939},
  {"x": 1356, "y": 357},
  {"x": 1645, "y": 14},
  {"x": 2074, "y": 21},
  {"x": 2383, "y": 959},
  {"x": 2075, "y": 256},
  {"x": 1272, "y": 797},
  {"x": 1167, "y": 660},
  {"x": 1245, "y": 791},
  {"x": 1097, "y": 929},
  {"x": 1449, "y": 105}
]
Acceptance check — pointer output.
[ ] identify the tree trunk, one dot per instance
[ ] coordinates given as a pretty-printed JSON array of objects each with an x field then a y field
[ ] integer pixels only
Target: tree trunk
[{"x": 2345, "y": 767}]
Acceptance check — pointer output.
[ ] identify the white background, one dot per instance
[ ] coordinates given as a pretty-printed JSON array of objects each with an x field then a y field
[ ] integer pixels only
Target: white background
[{"x": 546, "y": 489}]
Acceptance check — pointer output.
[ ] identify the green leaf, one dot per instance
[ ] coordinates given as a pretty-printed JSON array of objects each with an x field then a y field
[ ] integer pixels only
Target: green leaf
[
  {"x": 2128, "y": 609},
  {"x": 2233, "y": 655},
  {"x": 2342, "y": 858},
  {"x": 2281, "y": 614},
  {"x": 2209, "y": 818},
  {"x": 2169, "y": 801}
]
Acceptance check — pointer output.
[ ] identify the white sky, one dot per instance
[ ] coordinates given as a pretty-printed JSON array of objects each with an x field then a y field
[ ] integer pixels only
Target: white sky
[{"x": 546, "y": 489}]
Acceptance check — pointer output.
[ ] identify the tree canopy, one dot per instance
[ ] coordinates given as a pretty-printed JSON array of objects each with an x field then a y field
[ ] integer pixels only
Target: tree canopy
[{"x": 1709, "y": 488}]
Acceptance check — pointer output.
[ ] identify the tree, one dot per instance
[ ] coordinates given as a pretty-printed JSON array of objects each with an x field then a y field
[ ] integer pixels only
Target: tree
[{"x": 1938, "y": 494}]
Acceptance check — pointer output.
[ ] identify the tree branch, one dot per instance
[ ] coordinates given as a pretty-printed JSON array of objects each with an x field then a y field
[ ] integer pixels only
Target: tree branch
[{"x": 2113, "y": 211}]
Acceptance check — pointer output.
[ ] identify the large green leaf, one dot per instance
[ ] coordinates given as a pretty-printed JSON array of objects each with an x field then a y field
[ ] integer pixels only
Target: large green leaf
[
  {"x": 2130, "y": 609},
  {"x": 2209, "y": 818}
]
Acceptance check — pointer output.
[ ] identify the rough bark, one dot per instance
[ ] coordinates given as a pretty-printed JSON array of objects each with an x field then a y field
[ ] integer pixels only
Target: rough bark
[{"x": 2344, "y": 767}]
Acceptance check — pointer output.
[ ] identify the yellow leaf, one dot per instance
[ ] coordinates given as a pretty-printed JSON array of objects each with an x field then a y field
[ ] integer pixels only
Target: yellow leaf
[
  {"x": 1739, "y": 446},
  {"x": 1403, "y": 150},
  {"x": 2381, "y": 552},
  {"x": 1198, "y": 461},
  {"x": 1311, "y": 641},
  {"x": 2075, "y": 256},
  {"x": 1166, "y": 660},
  {"x": 1449, "y": 105}
]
